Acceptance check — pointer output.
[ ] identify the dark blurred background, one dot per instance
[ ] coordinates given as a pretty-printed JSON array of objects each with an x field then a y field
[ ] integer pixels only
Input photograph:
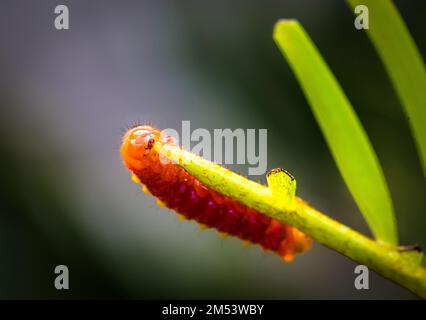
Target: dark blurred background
[{"x": 65, "y": 197}]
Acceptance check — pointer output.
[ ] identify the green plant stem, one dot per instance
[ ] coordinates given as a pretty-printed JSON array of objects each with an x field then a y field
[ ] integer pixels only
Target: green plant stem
[{"x": 403, "y": 268}]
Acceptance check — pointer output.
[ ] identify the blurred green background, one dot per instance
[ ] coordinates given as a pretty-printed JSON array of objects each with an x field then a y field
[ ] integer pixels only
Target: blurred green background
[{"x": 65, "y": 96}]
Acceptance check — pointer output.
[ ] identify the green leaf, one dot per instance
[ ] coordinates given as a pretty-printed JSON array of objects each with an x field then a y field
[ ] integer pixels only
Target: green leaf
[
  {"x": 342, "y": 130},
  {"x": 403, "y": 62}
]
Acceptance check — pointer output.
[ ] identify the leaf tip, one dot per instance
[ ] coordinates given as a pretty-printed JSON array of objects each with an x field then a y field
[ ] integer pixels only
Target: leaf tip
[{"x": 282, "y": 24}]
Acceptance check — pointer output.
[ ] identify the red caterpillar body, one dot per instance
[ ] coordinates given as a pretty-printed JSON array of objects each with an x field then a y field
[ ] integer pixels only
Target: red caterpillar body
[{"x": 178, "y": 190}]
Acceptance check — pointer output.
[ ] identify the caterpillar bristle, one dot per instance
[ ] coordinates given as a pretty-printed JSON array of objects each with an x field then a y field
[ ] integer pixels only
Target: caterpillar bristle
[
  {"x": 246, "y": 243},
  {"x": 161, "y": 204},
  {"x": 135, "y": 179},
  {"x": 223, "y": 235},
  {"x": 145, "y": 189},
  {"x": 133, "y": 124},
  {"x": 181, "y": 217},
  {"x": 288, "y": 258}
]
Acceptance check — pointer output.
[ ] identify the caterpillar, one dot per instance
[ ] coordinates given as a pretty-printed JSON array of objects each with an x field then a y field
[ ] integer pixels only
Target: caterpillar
[{"x": 176, "y": 189}]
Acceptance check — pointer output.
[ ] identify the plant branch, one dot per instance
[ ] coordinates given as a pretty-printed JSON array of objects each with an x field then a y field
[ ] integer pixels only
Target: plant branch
[{"x": 401, "y": 266}]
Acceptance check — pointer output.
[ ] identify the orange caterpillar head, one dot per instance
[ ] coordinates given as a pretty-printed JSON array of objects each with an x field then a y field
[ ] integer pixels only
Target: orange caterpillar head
[{"x": 138, "y": 145}]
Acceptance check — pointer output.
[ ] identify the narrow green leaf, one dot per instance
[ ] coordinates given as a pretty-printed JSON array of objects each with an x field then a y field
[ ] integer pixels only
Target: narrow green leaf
[
  {"x": 343, "y": 131},
  {"x": 403, "y": 62}
]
